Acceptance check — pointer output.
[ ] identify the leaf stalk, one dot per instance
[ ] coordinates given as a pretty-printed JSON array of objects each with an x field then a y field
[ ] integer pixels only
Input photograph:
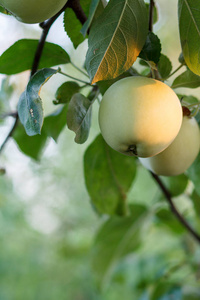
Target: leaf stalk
[{"x": 74, "y": 78}]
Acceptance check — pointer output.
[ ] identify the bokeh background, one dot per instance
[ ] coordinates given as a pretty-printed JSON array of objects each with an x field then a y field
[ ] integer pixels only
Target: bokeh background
[{"x": 47, "y": 222}]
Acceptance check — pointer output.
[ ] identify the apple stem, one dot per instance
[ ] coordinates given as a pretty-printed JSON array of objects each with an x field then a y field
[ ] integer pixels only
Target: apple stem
[{"x": 173, "y": 208}]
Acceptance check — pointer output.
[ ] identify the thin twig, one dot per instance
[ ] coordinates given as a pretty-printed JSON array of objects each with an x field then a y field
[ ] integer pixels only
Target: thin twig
[
  {"x": 173, "y": 208},
  {"x": 176, "y": 70},
  {"x": 77, "y": 68},
  {"x": 10, "y": 133},
  {"x": 74, "y": 78},
  {"x": 9, "y": 114}
]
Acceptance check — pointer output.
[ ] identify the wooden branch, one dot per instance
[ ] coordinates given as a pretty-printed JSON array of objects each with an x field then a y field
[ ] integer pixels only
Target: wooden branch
[
  {"x": 151, "y": 8},
  {"x": 168, "y": 197}
]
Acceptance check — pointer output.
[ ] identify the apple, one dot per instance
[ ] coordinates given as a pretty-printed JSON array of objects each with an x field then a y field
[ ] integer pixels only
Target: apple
[
  {"x": 139, "y": 116},
  {"x": 180, "y": 154},
  {"x": 33, "y": 11}
]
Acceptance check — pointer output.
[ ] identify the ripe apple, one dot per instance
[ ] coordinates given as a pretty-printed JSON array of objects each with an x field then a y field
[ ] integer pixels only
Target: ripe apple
[
  {"x": 139, "y": 116},
  {"x": 33, "y": 11},
  {"x": 180, "y": 154}
]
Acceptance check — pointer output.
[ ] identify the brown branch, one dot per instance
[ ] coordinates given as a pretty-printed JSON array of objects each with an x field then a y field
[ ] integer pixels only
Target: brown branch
[
  {"x": 46, "y": 25},
  {"x": 151, "y": 8},
  {"x": 173, "y": 208},
  {"x": 76, "y": 7},
  {"x": 10, "y": 133}
]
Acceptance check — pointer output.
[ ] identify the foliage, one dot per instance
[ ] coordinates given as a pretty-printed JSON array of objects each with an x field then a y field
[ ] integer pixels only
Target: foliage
[{"x": 136, "y": 244}]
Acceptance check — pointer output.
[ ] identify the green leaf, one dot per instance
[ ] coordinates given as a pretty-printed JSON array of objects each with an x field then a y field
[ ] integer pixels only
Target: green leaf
[
  {"x": 65, "y": 92},
  {"x": 164, "y": 66},
  {"x": 19, "y": 57},
  {"x": 116, "y": 39},
  {"x": 176, "y": 184},
  {"x": 181, "y": 59},
  {"x": 30, "y": 104},
  {"x": 93, "y": 7},
  {"x": 116, "y": 238},
  {"x": 3, "y": 10},
  {"x": 193, "y": 174},
  {"x": 108, "y": 177},
  {"x": 189, "y": 28},
  {"x": 167, "y": 219},
  {"x": 73, "y": 26},
  {"x": 32, "y": 146},
  {"x": 2, "y": 171},
  {"x": 55, "y": 122},
  {"x": 196, "y": 202},
  {"x": 166, "y": 291},
  {"x": 152, "y": 48},
  {"x": 187, "y": 99},
  {"x": 187, "y": 80},
  {"x": 79, "y": 117},
  {"x": 191, "y": 295},
  {"x": 105, "y": 84}
]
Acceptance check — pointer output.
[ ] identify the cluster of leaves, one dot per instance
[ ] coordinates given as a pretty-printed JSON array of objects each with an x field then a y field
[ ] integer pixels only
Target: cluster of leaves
[{"x": 117, "y": 36}]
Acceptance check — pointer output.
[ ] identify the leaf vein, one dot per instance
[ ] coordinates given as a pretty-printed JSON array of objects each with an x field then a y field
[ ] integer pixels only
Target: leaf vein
[{"x": 191, "y": 14}]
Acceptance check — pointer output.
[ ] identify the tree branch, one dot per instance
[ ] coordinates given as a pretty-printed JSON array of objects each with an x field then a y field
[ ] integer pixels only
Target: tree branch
[
  {"x": 46, "y": 25},
  {"x": 76, "y": 7},
  {"x": 173, "y": 208},
  {"x": 10, "y": 133},
  {"x": 151, "y": 7}
]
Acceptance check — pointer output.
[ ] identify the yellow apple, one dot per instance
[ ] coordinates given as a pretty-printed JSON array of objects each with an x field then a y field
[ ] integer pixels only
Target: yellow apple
[
  {"x": 180, "y": 154},
  {"x": 33, "y": 11},
  {"x": 139, "y": 116}
]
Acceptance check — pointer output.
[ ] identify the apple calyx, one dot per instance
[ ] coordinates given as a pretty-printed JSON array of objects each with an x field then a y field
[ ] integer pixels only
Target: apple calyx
[{"x": 133, "y": 150}]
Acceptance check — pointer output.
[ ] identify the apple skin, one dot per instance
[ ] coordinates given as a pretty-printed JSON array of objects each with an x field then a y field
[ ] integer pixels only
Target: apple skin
[
  {"x": 180, "y": 154},
  {"x": 139, "y": 116},
  {"x": 33, "y": 11}
]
